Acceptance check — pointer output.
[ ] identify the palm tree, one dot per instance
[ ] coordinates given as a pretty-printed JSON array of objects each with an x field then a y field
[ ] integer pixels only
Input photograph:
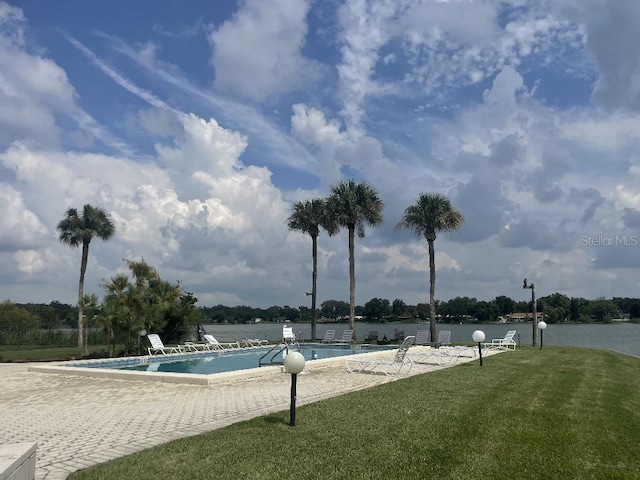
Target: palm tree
[
  {"x": 353, "y": 205},
  {"x": 430, "y": 214},
  {"x": 307, "y": 217},
  {"x": 89, "y": 305},
  {"x": 76, "y": 230}
]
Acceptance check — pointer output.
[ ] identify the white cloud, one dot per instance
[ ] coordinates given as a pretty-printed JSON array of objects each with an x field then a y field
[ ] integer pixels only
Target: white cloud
[
  {"x": 19, "y": 226},
  {"x": 257, "y": 53},
  {"x": 364, "y": 31},
  {"x": 31, "y": 261},
  {"x": 613, "y": 38}
]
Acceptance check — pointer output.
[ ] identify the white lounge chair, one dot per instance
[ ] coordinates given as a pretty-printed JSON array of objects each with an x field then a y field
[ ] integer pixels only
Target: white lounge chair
[
  {"x": 329, "y": 336},
  {"x": 158, "y": 347},
  {"x": 400, "y": 364},
  {"x": 287, "y": 334},
  {"x": 216, "y": 345},
  {"x": 254, "y": 342},
  {"x": 347, "y": 336},
  {"x": 448, "y": 356},
  {"x": 444, "y": 337},
  {"x": 423, "y": 337},
  {"x": 371, "y": 337},
  {"x": 505, "y": 343},
  {"x": 195, "y": 347}
]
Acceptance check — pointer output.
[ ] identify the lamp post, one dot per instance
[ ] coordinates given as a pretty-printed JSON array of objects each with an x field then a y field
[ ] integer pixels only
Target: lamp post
[
  {"x": 141, "y": 333},
  {"x": 534, "y": 322},
  {"x": 478, "y": 337},
  {"x": 293, "y": 364},
  {"x": 541, "y": 325}
]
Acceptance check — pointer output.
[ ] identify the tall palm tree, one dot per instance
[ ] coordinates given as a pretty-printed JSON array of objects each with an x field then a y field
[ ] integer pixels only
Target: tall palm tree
[
  {"x": 89, "y": 305},
  {"x": 353, "y": 205},
  {"x": 76, "y": 230},
  {"x": 307, "y": 217},
  {"x": 431, "y": 213}
]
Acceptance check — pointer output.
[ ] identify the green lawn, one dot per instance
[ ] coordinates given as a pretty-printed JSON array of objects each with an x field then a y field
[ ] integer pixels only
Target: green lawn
[
  {"x": 559, "y": 413},
  {"x": 37, "y": 354}
]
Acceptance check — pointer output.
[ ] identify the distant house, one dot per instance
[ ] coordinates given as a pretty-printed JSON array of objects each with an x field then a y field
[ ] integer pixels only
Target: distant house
[{"x": 524, "y": 317}]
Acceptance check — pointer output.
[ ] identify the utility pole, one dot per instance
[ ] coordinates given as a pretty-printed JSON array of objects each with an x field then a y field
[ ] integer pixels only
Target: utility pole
[{"x": 534, "y": 320}]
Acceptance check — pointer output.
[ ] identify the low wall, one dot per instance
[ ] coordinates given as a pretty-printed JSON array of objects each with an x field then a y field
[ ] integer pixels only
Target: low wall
[{"x": 18, "y": 461}]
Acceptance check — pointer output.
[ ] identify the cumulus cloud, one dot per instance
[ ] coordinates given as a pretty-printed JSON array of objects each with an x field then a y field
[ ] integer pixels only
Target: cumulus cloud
[
  {"x": 258, "y": 53},
  {"x": 20, "y": 228}
]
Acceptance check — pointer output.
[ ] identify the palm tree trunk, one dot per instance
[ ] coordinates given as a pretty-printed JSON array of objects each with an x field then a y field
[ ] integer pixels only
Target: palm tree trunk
[
  {"x": 83, "y": 269},
  {"x": 352, "y": 281},
  {"x": 432, "y": 292},
  {"x": 314, "y": 242}
]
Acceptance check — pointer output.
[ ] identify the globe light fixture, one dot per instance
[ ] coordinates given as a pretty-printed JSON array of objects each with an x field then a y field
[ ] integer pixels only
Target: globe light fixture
[
  {"x": 541, "y": 325},
  {"x": 478, "y": 337},
  {"x": 293, "y": 364}
]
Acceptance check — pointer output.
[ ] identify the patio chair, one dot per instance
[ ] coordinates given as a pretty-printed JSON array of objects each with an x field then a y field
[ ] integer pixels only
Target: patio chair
[
  {"x": 423, "y": 337},
  {"x": 347, "y": 337},
  {"x": 505, "y": 343},
  {"x": 401, "y": 363},
  {"x": 447, "y": 356},
  {"x": 329, "y": 336},
  {"x": 214, "y": 344},
  {"x": 195, "y": 347},
  {"x": 254, "y": 342},
  {"x": 371, "y": 337},
  {"x": 444, "y": 338},
  {"x": 398, "y": 335},
  {"x": 158, "y": 347},
  {"x": 287, "y": 334}
]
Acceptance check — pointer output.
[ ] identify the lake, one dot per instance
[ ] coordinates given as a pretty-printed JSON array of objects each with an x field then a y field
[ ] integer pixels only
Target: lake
[{"x": 622, "y": 337}]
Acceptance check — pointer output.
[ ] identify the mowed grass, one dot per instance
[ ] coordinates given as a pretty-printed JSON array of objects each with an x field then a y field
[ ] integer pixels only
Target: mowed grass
[
  {"x": 38, "y": 354},
  {"x": 556, "y": 413}
]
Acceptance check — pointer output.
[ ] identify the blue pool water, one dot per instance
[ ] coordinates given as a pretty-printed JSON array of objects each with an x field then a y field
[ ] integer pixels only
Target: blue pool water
[{"x": 228, "y": 360}]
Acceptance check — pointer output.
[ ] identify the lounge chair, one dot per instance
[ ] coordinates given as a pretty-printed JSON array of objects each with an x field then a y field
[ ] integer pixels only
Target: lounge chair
[
  {"x": 505, "y": 343},
  {"x": 287, "y": 334},
  {"x": 447, "y": 356},
  {"x": 371, "y": 337},
  {"x": 158, "y": 347},
  {"x": 423, "y": 337},
  {"x": 347, "y": 337},
  {"x": 254, "y": 342},
  {"x": 398, "y": 336},
  {"x": 400, "y": 364},
  {"x": 216, "y": 345},
  {"x": 444, "y": 338},
  {"x": 195, "y": 347},
  {"x": 329, "y": 336}
]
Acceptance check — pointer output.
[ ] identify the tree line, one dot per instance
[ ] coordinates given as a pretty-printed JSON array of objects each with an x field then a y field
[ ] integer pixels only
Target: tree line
[{"x": 557, "y": 308}]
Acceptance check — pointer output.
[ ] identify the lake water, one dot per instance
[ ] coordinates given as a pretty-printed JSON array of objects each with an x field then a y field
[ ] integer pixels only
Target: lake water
[{"x": 621, "y": 337}]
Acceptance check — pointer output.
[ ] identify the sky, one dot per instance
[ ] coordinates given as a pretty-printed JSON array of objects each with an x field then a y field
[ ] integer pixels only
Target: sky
[{"x": 197, "y": 124}]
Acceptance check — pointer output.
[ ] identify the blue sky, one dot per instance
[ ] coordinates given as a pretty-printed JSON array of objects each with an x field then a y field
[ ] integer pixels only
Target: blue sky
[{"x": 197, "y": 124}]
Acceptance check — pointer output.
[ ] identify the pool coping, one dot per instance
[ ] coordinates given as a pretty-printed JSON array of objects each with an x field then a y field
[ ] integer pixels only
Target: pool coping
[{"x": 70, "y": 368}]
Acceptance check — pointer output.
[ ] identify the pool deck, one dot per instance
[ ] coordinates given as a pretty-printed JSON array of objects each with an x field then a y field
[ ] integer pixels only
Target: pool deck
[{"x": 80, "y": 421}]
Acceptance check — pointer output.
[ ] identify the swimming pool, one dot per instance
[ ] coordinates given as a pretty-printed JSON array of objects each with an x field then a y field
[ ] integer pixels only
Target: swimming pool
[{"x": 221, "y": 361}]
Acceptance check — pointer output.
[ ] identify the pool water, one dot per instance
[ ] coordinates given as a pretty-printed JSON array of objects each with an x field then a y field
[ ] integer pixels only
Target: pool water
[{"x": 231, "y": 360}]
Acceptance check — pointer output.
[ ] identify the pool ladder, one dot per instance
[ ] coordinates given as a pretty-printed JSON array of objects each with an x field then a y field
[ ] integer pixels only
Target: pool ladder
[{"x": 269, "y": 358}]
